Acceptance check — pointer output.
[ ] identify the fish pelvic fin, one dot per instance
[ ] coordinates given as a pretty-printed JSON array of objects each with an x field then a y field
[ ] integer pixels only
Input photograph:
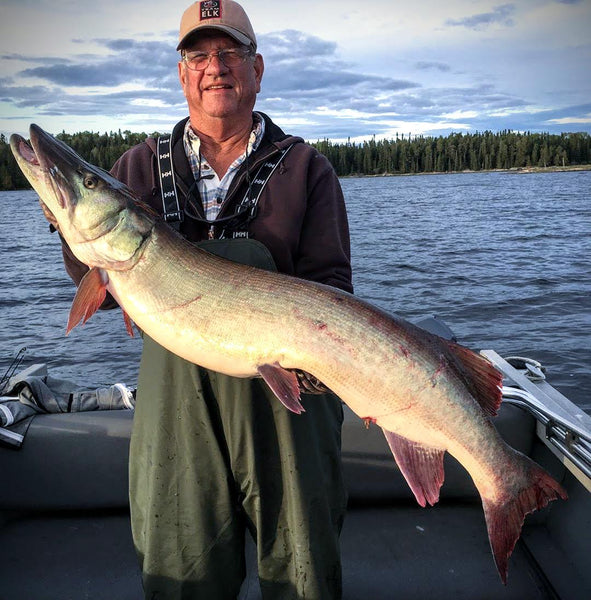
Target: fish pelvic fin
[
  {"x": 480, "y": 376},
  {"x": 284, "y": 385},
  {"x": 505, "y": 517},
  {"x": 422, "y": 467},
  {"x": 91, "y": 293}
]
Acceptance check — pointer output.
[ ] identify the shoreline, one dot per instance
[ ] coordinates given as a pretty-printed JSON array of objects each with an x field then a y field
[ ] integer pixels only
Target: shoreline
[{"x": 516, "y": 170}]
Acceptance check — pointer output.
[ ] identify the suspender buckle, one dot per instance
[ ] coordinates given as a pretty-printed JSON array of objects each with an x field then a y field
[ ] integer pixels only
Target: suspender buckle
[{"x": 173, "y": 216}]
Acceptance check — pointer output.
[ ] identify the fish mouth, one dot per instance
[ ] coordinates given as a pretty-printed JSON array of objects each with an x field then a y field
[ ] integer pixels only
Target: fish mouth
[
  {"x": 35, "y": 157},
  {"x": 23, "y": 149},
  {"x": 30, "y": 152}
]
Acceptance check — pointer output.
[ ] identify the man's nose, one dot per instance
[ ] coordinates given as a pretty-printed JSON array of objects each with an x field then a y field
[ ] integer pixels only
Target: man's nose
[{"x": 215, "y": 66}]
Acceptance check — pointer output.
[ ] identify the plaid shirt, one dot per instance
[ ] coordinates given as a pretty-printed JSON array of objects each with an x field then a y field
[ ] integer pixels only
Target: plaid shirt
[{"x": 213, "y": 191}]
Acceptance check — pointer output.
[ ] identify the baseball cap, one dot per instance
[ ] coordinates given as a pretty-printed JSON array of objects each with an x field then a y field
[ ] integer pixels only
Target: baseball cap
[{"x": 225, "y": 15}]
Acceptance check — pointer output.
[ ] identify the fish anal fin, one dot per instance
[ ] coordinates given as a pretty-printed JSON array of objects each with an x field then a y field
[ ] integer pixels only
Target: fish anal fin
[
  {"x": 422, "y": 466},
  {"x": 284, "y": 385},
  {"x": 91, "y": 293},
  {"x": 483, "y": 380},
  {"x": 505, "y": 516}
]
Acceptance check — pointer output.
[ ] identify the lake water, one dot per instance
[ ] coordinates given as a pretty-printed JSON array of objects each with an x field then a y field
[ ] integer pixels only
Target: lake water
[{"x": 502, "y": 258}]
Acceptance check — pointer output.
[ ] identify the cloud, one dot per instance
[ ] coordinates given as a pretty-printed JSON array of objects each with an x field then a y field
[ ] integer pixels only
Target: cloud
[
  {"x": 430, "y": 65},
  {"x": 311, "y": 86},
  {"x": 578, "y": 114},
  {"x": 303, "y": 68},
  {"x": 151, "y": 62},
  {"x": 124, "y": 78},
  {"x": 43, "y": 60},
  {"x": 499, "y": 15},
  {"x": 289, "y": 44},
  {"x": 23, "y": 96},
  {"x": 129, "y": 77}
]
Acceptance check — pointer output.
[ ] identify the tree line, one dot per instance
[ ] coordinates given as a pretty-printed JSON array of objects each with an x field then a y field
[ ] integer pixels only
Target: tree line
[
  {"x": 402, "y": 155},
  {"x": 458, "y": 152},
  {"x": 98, "y": 149}
]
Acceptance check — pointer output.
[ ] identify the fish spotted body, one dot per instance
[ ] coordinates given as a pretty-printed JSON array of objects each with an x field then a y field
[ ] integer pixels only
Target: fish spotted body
[{"x": 429, "y": 395}]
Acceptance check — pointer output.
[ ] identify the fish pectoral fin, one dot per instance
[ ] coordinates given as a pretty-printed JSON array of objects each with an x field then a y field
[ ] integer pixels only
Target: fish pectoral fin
[
  {"x": 422, "y": 466},
  {"x": 90, "y": 295},
  {"x": 284, "y": 385}
]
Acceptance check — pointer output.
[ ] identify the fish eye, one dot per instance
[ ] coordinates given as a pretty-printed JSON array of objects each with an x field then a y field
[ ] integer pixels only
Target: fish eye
[{"x": 91, "y": 182}]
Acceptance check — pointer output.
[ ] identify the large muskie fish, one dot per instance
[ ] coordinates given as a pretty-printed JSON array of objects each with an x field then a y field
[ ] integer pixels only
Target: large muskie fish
[{"x": 428, "y": 395}]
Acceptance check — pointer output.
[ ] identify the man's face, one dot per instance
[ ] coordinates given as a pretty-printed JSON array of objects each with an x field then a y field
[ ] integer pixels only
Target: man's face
[{"x": 220, "y": 92}]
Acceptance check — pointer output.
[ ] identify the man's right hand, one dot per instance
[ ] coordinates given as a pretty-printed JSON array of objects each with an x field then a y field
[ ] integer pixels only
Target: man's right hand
[{"x": 54, "y": 226}]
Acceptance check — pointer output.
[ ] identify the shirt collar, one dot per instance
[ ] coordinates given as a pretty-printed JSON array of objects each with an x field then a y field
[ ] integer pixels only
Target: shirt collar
[{"x": 192, "y": 142}]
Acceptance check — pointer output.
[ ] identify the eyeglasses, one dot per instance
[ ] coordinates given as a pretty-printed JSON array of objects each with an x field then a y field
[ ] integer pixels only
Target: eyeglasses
[{"x": 231, "y": 57}]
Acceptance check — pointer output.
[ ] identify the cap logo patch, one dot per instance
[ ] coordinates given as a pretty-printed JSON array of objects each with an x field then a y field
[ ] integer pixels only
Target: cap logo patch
[{"x": 210, "y": 9}]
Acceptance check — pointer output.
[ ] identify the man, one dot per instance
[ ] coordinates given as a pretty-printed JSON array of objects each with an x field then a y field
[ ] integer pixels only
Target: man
[{"x": 211, "y": 455}]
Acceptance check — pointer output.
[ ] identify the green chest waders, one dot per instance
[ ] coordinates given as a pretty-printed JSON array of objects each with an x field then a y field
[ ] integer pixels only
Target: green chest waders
[{"x": 212, "y": 456}]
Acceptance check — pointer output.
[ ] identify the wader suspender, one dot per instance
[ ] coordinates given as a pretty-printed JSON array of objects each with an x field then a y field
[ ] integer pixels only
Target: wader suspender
[{"x": 171, "y": 210}]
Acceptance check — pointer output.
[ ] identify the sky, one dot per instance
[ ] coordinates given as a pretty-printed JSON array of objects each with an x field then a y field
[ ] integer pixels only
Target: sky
[{"x": 334, "y": 69}]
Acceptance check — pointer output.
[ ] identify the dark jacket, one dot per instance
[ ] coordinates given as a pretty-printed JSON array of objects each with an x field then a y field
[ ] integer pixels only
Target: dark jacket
[{"x": 301, "y": 216}]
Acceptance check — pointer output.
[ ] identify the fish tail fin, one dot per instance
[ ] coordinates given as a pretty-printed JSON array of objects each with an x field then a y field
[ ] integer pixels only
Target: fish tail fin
[{"x": 505, "y": 515}]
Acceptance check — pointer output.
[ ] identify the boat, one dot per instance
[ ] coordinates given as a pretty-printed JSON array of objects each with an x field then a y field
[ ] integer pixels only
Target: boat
[{"x": 64, "y": 515}]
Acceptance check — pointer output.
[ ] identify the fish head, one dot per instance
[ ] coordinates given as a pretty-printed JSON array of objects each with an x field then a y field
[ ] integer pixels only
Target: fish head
[
  {"x": 84, "y": 199},
  {"x": 95, "y": 213}
]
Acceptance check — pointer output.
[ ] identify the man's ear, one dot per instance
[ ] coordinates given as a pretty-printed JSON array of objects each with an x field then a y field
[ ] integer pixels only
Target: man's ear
[
  {"x": 259, "y": 68},
  {"x": 182, "y": 75}
]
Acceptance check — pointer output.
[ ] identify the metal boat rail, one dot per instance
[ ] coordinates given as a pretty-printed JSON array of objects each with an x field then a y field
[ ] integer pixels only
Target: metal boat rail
[
  {"x": 561, "y": 425},
  {"x": 567, "y": 437}
]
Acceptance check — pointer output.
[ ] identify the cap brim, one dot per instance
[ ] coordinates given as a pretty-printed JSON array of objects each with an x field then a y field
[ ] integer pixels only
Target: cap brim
[{"x": 237, "y": 35}]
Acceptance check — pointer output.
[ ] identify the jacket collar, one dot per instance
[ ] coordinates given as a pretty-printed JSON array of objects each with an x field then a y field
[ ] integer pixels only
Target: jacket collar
[{"x": 274, "y": 140}]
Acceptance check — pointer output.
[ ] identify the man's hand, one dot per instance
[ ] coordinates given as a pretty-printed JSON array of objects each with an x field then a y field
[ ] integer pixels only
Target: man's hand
[
  {"x": 53, "y": 224},
  {"x": 309, "y": 384}
]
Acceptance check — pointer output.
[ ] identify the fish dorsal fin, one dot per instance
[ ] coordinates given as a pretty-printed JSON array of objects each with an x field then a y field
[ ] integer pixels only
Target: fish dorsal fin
[
  {"x": 284, "y": 385},
  {"x": 91, "y": 293},
  {"x": 483, "y": 380},
  {"x": 422, "y": 466}
]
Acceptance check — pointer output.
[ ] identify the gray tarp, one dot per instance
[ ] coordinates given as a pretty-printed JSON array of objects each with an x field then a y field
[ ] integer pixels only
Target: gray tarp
[{"x": 27, "y": 396}]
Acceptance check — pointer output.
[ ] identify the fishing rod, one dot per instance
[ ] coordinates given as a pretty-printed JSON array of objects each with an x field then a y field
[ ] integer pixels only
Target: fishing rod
[{"x": 12, "y": 368}]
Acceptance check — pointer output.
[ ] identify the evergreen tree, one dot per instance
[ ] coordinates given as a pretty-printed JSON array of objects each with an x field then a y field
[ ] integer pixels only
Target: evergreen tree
[{"x": 401, "y": 155}]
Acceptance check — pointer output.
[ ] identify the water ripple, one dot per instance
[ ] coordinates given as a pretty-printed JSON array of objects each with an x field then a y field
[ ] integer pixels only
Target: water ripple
[{"x": 502, "y": 258}]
